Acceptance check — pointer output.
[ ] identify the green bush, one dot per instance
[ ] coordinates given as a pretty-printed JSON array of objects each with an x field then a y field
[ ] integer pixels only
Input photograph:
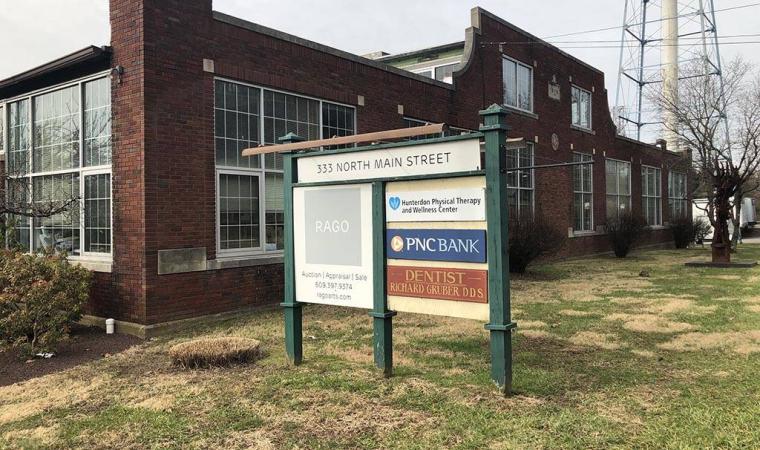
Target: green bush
[
  {"x": 685, "y": 231},
  {"x": 40, "y": 297},
  {"x": 530, "y": 238},
  {"x": 623, "y": 232}
]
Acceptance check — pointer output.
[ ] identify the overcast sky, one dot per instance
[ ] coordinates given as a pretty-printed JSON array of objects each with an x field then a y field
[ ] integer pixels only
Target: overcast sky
[{"x": 33, "y": 32}]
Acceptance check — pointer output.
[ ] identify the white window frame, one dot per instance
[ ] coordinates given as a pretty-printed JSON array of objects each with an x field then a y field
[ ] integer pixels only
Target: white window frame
[
  {"x": 517, "y": 84},
  {"x": 673, "y": 198},
  {"x": 590, "y": 193},
  {"x": 81, "y": 170},
  {"x": 617, "y": 176},
  {"x": 519, "y": 187},
  {"x": 590, "y": 95},
  {"x": 657, "y": 198},
  {"x": 261, "y": 172},
  {"x": 431, "y": 69}
]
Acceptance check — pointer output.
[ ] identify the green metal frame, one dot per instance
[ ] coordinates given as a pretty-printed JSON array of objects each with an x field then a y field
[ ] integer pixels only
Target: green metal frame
[{"x": 500, "y": 324}]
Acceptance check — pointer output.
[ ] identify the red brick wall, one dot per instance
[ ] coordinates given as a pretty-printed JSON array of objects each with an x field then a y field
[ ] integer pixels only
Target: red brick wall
[
  {"x": 127, "y": 301},
  {"x": 164, "y": 185}
]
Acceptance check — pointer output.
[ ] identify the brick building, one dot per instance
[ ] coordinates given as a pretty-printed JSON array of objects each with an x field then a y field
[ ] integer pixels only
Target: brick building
[{"x": 176, "y": 224}]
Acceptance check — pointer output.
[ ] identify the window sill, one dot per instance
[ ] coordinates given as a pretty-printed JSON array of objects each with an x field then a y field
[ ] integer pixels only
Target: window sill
[
  {"x": 93, "y": 264},
  {"x": 583, "y": 130},
  {"x": 244, "y": 261},
  {"x": 572, "y": 234},
  {"x": 656, "y": 227},
  {"x": 521, "y": 112}
]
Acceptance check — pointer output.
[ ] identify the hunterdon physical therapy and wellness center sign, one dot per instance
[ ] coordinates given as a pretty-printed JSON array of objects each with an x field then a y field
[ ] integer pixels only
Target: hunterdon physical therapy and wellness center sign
[{"x": 414, "y": 227}]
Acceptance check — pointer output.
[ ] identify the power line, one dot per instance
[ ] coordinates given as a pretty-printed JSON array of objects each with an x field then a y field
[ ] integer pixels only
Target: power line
[
  {"x": 618, "y": 27},
  {"x": 610, "y": 41}
]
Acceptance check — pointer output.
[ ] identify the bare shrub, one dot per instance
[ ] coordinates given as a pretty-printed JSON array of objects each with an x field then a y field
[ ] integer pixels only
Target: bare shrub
[
  {"x": 530, "y": 238},
  {"x": 685, "y": 231},
  {"x": 215, "y": 352},
  {"x": 623, "y": 232}
]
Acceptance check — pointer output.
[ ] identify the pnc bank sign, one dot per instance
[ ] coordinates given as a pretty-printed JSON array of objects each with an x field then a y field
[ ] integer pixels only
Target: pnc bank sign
[{"x": 437, "y": 245}]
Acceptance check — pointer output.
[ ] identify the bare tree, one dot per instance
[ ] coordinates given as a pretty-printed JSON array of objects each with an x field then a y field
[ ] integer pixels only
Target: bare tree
[{"x": 725, "y": 147}]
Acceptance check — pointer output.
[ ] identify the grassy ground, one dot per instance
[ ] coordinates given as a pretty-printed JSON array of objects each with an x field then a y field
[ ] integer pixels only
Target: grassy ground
[{"x": 603, "y": 358}]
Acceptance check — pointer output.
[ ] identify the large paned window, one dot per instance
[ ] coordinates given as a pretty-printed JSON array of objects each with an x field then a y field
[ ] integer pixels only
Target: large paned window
[
  {"x": 518, "y": 84},
  {"x": 46, "y": 164},
  {"x": 581, "y": 107},
  {"x": 249, "y": 189},
  {"x": 583, "y": 193},
  {"x": 520, "y": 181},
  {"x": 651, "y": 195},
  {"x": 618, "y": 177},
  {"x": 677, "y": 199},
  {"x": 443, "y": 72}
]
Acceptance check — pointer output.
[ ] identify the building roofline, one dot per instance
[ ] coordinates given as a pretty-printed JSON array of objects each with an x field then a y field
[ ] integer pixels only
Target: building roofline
[
  {"x": 91, "y": 54},
  {"x": 492, "y": 16},
  {"x": 277, "y": 34},
  {"x": 648, "y": 145},
  {"x": 422, "y": 51}
]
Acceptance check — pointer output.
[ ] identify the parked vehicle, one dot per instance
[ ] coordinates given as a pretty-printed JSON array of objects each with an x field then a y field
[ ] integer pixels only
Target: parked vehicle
[{"x": 747, "y": 221}]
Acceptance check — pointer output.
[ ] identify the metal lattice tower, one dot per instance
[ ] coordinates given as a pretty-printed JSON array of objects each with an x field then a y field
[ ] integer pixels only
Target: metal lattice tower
[{"x": 658, "y": 37}]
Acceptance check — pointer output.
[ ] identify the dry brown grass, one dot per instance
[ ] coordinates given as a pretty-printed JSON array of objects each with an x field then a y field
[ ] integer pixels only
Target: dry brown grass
[
  {"x": 215, "y": 352},
  {"x": 599, "y": 340},
  {"x": 753, "y": 308},
  {"x": 649, "y": 323},
  {"x": 534, "y": 333},
  {"x": 56, "y": 390},
  {"x": 742, "y": 342},
  {"x": 575, "y": 313}
]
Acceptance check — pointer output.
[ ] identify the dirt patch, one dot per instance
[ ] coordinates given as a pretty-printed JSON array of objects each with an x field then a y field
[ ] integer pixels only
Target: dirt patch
[
  {"x": 742, "y": 342},
  {"x": 576, "y": 313},
  {"x": 753, "y": 308},
  {"x": 599, "y": 340},
  {"x": 649, "y": 323},
  {"x": 85, "y": 344}
]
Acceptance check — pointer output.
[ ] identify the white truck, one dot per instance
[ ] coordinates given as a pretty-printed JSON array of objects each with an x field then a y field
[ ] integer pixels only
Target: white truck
[{"x": 747, "y": 220}]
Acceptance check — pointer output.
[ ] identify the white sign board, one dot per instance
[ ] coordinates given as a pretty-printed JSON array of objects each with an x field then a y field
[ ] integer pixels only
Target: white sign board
[
  {"x": 444, "y": 205},
  {"x": 425, "y": 159},
  {"x": 332, "y": 242}
]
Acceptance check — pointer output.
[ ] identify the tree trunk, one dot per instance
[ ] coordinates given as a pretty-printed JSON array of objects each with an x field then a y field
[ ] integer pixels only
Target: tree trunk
[
  {"x": 736, "y": 220},
  {"x": 721, "y": 245}
]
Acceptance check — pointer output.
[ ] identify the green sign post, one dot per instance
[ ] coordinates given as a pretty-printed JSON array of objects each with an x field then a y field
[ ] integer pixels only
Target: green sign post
[{"x": 375, "y": 166}]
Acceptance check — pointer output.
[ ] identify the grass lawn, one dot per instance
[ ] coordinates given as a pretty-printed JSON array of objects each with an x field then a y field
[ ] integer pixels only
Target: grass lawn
[{"x": 602, "y": 358}]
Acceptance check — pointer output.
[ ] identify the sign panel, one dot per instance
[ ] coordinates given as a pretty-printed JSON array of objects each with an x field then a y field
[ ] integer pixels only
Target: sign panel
[
  {"x": 443, "y": 205},
  {"x": 437, "y": 245},
  {"x": 332, "y": 231},
  {"x": 464, "y": 285},
  {"x": 424, "y": 159}
]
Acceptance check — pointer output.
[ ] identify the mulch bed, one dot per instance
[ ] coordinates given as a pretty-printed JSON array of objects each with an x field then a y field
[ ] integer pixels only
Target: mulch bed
[{"x": 85, "y": 344}]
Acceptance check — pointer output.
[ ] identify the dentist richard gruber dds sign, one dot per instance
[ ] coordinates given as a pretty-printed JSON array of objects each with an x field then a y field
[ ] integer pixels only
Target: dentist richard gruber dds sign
[
  {"x": 332, "y": 237},
  {"x": 437, "y": 245},
  {"x": 447, "y": 205}
]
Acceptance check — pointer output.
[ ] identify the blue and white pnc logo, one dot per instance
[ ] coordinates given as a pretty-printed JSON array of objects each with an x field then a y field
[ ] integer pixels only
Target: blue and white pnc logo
[{"x": 437, "y": 245}]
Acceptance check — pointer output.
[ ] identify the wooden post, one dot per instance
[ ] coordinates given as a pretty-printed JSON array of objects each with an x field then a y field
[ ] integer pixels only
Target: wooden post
[
  {"x": 382, "y": 318},
  {"x": 293, "y": 310},
  {"x": 497, "y": 215}
]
